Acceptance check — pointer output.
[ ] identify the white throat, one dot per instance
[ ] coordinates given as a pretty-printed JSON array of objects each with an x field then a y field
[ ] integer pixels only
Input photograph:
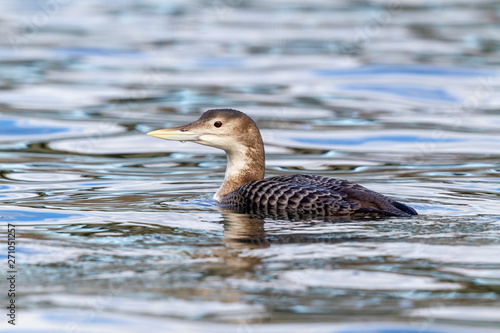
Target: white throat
[{"x": 242, "y": 167}]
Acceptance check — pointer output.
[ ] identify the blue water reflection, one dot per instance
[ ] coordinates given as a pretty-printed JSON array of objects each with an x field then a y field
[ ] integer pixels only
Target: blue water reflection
[
  {"x": 221, "y": 62},
  {"x": 405, "y": 91},
  {"x": 22, "y": 128},
  {"x": 26, "y": 216},
  {"x": 368, "y": 139},
  {"x": 94, "y": 51},
  {"x": 401, "y": 70}
]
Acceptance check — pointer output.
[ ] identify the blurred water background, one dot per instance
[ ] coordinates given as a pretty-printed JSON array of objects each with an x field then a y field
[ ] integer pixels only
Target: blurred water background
[{"x": 117, "y": 231}]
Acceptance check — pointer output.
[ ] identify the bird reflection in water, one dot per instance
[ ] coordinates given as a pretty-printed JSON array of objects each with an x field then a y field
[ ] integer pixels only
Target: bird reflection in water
[{"x": 247, "y": 231}]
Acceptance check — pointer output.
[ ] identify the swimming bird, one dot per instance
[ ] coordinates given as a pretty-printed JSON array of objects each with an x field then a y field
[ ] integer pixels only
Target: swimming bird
[{"x": 245, "y": 189}]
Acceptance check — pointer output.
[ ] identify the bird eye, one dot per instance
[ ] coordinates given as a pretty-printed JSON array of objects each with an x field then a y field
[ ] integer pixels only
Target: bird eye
[{"x": 217, "y": 124}]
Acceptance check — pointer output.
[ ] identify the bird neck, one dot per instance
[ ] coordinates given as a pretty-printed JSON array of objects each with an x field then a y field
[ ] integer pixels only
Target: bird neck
[{"x": 245, "y": 164}]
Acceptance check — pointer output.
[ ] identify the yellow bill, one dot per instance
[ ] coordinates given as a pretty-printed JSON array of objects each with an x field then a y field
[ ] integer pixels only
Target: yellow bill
[{"x": 175, "y": 134}]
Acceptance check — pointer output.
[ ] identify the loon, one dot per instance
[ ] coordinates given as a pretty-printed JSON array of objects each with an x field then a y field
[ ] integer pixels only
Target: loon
[{"x": 245, "y": 188}]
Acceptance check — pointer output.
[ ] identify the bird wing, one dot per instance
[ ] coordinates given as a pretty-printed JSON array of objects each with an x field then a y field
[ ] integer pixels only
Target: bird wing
[
  {"x": 280, "y": 195},
  {"x": 315, "y": 195},
  {"x": 368, "y": 199}
]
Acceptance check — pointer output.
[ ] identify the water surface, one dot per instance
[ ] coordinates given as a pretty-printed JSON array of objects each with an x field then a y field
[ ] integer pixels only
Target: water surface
[{"x": 117, "y": 231}]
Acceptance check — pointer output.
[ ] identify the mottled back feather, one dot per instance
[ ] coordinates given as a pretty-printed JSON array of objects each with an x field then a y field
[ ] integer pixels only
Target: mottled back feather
[{"x": 313, "y": 195}]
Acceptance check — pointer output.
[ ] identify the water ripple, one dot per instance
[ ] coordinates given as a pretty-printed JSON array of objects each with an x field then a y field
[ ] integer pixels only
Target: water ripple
[{"x": 118, "y": 231}]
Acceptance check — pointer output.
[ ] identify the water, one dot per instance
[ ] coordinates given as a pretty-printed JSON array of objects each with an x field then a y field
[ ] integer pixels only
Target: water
[{"x": 117, "y": 231}]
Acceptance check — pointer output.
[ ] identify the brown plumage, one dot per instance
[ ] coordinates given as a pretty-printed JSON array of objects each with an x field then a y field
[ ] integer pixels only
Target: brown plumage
[{"x": 245, "y": 189}]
